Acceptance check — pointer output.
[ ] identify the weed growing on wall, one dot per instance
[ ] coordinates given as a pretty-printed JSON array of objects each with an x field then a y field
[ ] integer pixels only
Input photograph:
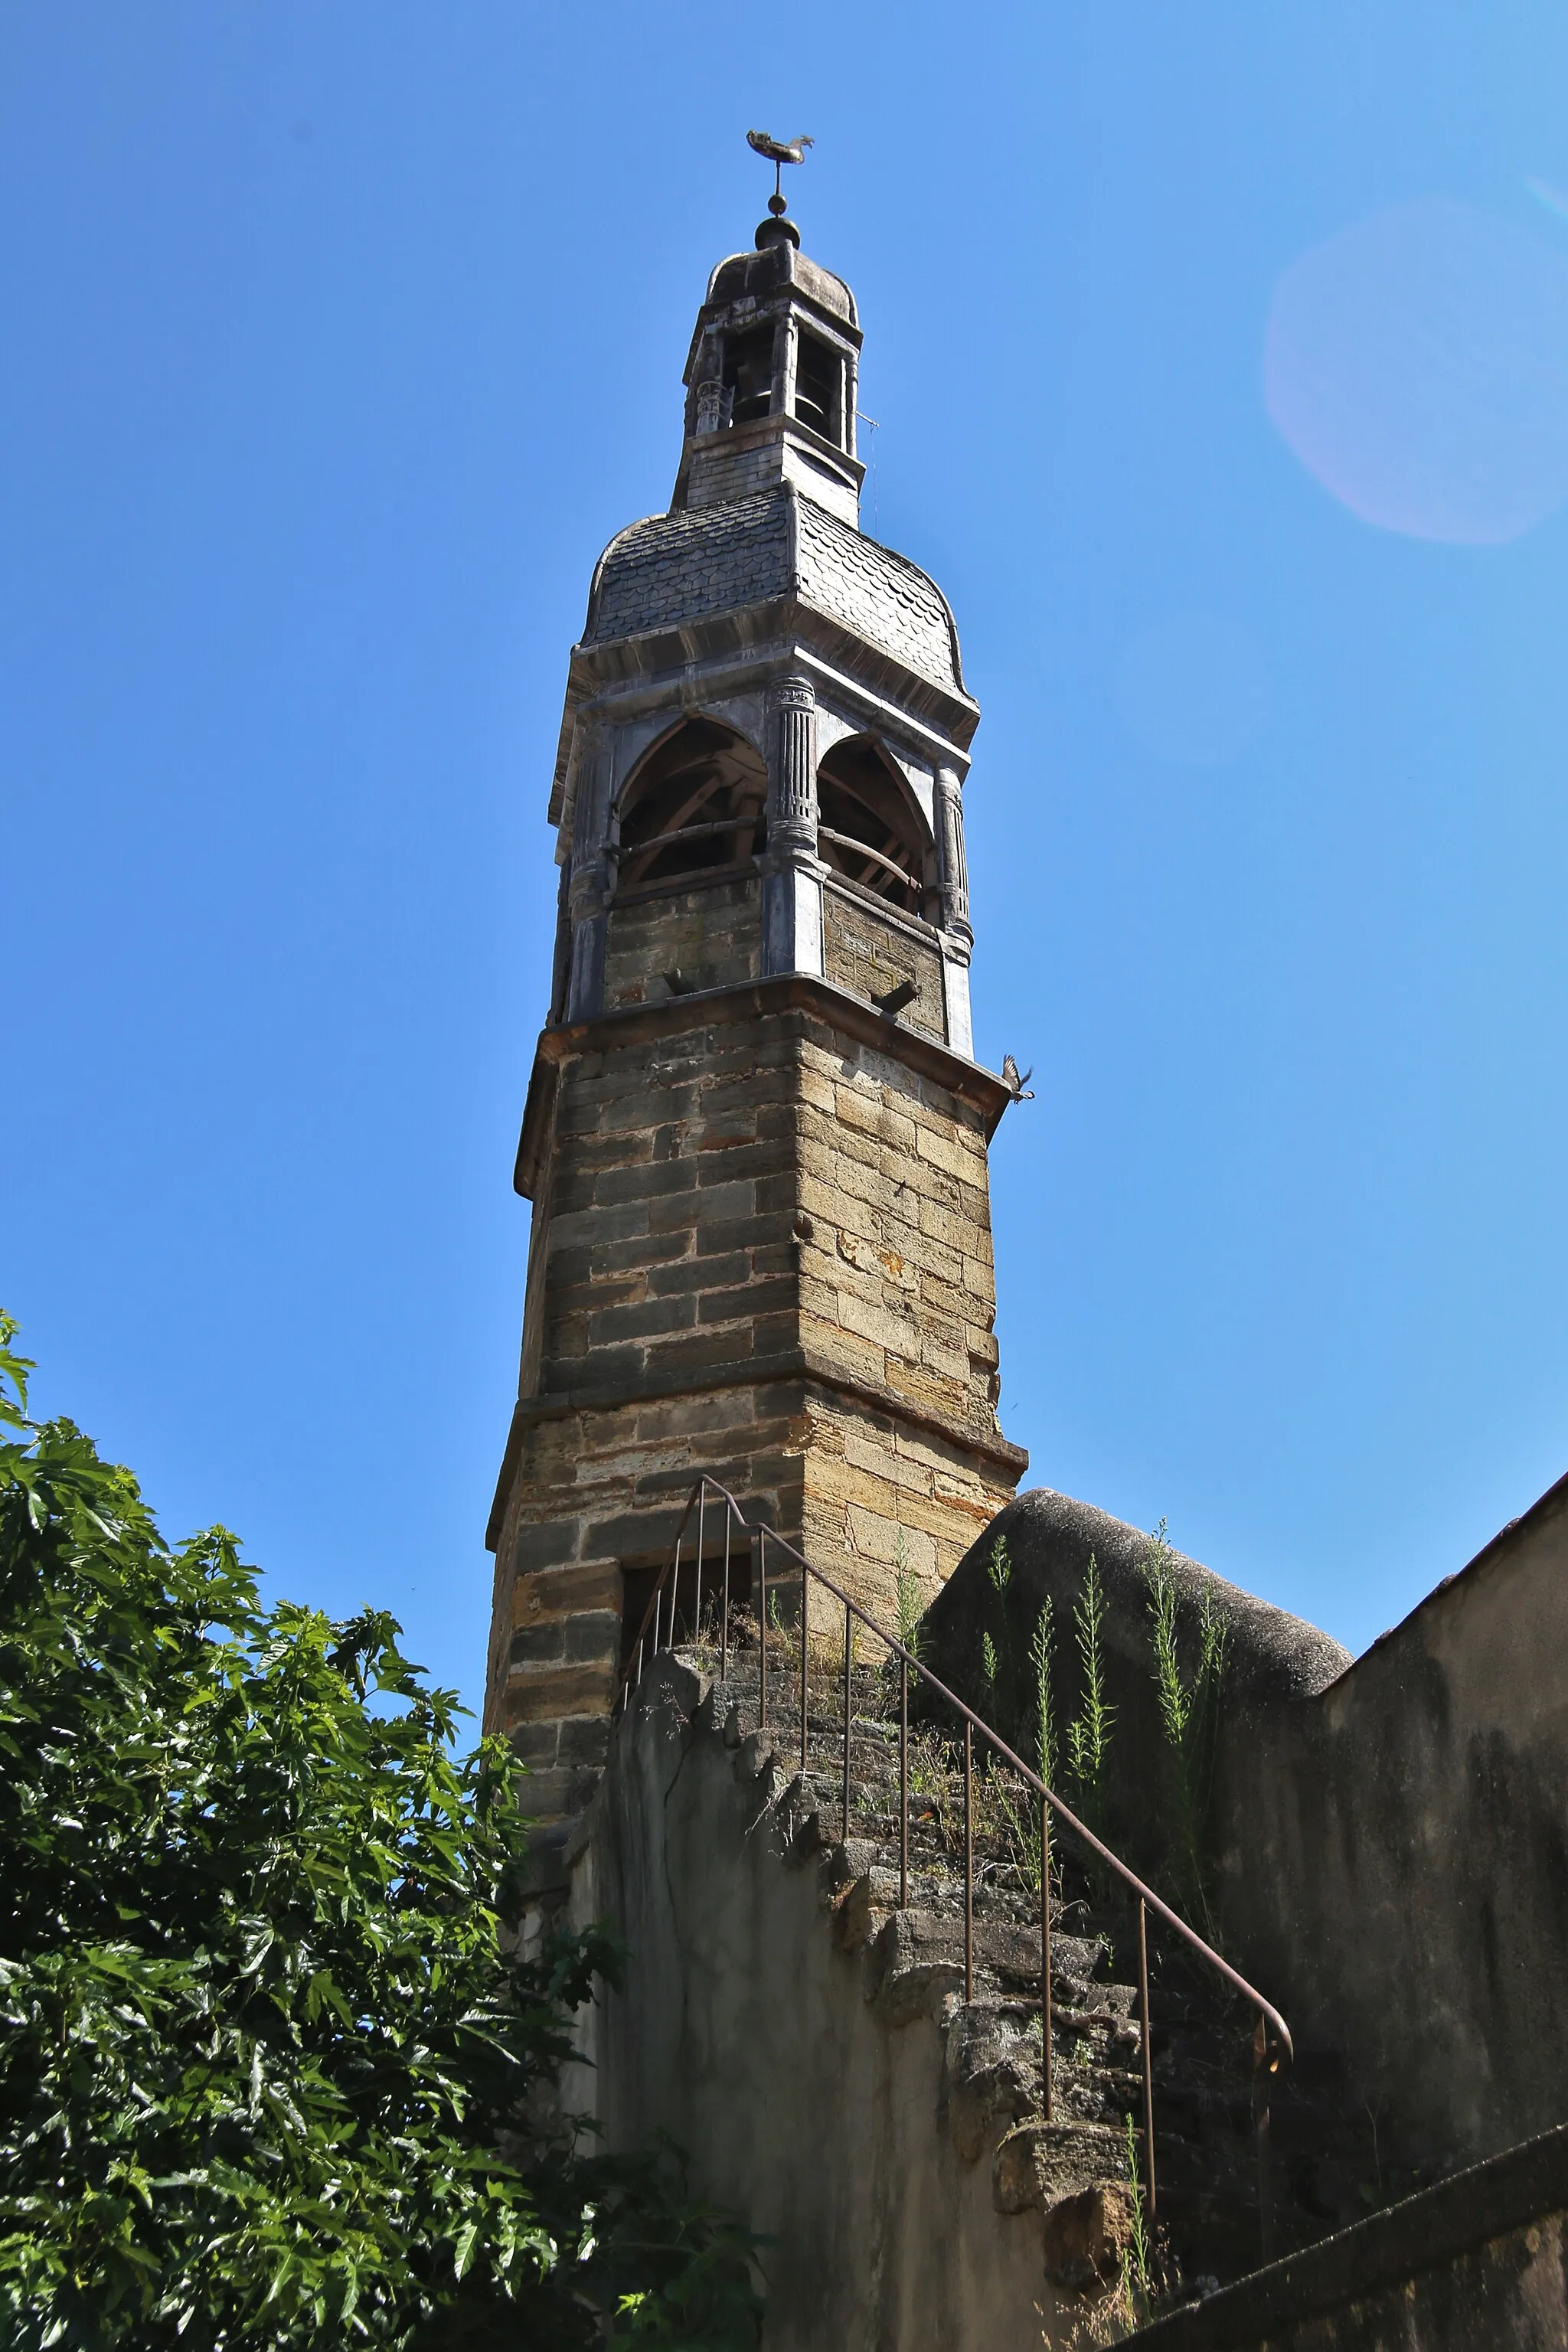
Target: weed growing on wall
[
  {"x": 1040, "y": 1645},
  {"x": 1088, "y": 1733},
  {"x": 1189, "y": 1698},
  {"x": 1045, "y": 1718},
  {"x": 909, "y": 1598},
  {"x": 1140, "y": 2260},
  {"x": 999, "y": 1658}
]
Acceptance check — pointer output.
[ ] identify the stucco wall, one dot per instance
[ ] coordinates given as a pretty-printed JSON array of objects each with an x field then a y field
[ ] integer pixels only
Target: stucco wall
[
  {"x": 1389, "y": 1833},
  {"x": 1397, "y": 1854},
  {"x": 746, "y": 2032}
]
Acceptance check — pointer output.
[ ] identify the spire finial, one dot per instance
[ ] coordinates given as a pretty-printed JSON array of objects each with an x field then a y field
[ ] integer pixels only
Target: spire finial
[{"x": 779, "y": 151}]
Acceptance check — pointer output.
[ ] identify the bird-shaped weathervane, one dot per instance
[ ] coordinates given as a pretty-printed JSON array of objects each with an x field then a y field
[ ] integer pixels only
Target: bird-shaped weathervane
[
  {"x": 1018, "y": 1087},
  {"x": 779, "y": 151}
]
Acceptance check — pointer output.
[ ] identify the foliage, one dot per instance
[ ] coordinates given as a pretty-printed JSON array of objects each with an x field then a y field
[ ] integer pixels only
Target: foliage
[
  {"x": 910, "y": 1600},
  {"x": 1189, "y": 1712},
  {"x": 1005, "y": 1680},
  {"x": 273, "y": 2072},
  {"x": 1040, "y": 1647},
  {"x": 1041, "y": 1643},
  {"x": 1088, "y": 1733},
  {"x": 1139, "y": 2268}
]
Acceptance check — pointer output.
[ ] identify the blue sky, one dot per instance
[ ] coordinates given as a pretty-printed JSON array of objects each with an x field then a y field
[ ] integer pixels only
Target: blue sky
[{"x": 341, "y": 337}]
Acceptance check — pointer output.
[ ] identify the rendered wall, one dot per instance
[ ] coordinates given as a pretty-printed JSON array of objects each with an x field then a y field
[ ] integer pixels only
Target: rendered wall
[
  {"x": 747, "y": 2034},
  {"x": 1397, "y": 1855},
  {"x": 1390, "y": 1832}
]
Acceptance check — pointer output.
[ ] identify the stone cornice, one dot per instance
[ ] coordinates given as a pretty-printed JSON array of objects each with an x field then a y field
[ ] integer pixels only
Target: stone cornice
[
  {"x": 802, "y": 1364},
  {"x": 750, "y": 1000}
]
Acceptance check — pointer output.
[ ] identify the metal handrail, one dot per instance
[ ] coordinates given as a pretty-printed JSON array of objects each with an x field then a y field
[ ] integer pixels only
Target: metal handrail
[{"x": 1266, "y": 2062}]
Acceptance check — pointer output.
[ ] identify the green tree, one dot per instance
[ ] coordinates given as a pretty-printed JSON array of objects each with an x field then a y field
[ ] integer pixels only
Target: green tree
[{"x": 273, "y": 2071}]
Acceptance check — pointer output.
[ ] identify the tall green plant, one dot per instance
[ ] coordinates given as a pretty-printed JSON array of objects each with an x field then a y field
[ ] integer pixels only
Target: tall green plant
[
  {"x": 1088, "y": 1733},
  {"x": 999, "y": 1661},
  {"x": 1189, "y": 1698},
  {"x": 908, "y": 1598},
  {"x": 1040, "y": 1647},
  {"x": 1041, "y": 1643}
]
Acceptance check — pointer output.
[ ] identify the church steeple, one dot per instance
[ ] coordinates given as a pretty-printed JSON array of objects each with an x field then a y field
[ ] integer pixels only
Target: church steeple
[
  {"x": 771, "y": 381},
  {"x": 755, "y": 1136}
]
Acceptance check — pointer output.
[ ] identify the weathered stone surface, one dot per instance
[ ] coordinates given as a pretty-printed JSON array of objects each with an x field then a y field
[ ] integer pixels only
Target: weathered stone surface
[
  {"x": 760, "y": 1315},
  {"x": 1086, "y": 2237},
  {"x": 1040, "y": 2164},
  {"x": 992, "y": 2071}
]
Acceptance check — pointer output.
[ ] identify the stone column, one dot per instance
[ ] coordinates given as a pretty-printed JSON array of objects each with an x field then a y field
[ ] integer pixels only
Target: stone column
[
  {"x": 792, "y": 872},
  {"x": 957, "y": 935},
  {"x": 950, "y": 847},
  {"x": 593, "y": 878},
  {"x": 561, "y": 966}
]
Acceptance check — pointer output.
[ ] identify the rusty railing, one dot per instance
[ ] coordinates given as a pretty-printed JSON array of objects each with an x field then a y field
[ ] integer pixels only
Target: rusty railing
[{"x": 1271, "y": 2045}]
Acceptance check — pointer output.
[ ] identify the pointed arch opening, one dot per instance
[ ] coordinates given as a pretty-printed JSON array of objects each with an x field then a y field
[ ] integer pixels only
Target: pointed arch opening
[
  {"x": 695, "y": 803},
  {"x": 869, "y": 828}
]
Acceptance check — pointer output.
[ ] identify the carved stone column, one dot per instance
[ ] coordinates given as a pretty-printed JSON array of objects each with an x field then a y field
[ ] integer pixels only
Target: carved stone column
[
  {"x": 957, "y": 936},
  {"x": 792, "y": 872},
  {"x": 593, "y": 879},
  {"x": 954, "y": 867}
]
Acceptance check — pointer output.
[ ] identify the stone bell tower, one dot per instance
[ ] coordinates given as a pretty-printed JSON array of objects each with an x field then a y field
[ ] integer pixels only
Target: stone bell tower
[{"x": 756, "y": 1134}]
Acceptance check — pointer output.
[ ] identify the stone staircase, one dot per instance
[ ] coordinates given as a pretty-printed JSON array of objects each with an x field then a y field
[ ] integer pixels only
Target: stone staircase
[{"x": 1081, "y": 2170}]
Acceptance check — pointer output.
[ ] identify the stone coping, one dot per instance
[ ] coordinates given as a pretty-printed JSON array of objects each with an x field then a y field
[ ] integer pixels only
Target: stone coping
[{"x": 1424, "y": 2233}]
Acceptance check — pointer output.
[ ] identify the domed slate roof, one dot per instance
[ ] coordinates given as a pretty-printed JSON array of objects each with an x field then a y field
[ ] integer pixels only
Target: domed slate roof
[
  {"x": 698, "y": 561},
  {"x": 758, "y": 274}
]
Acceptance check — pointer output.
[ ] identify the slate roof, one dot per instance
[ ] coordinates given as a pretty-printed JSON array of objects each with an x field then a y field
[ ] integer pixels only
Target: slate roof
[{"x": 682, "y": 567}]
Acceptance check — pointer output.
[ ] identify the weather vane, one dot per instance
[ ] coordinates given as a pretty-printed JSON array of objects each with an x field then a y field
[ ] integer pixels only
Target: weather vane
[{"x": 779, "y": 151}]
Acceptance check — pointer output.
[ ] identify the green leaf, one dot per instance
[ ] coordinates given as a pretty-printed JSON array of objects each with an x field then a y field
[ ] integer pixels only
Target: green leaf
[{"x": 269, "y": 2057}]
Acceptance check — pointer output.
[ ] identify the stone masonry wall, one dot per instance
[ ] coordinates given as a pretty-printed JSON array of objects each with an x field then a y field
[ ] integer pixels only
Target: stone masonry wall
[
  {"x": 711, "y": 935},
  {"x": 868, "y": 955},
  {"x": 766, "y": 1250}
]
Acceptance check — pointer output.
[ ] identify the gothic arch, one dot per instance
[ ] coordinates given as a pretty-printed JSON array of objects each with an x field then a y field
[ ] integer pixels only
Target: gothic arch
[
  {"x": 696, "y": 799},
  {"x": 869, "y": 829}
]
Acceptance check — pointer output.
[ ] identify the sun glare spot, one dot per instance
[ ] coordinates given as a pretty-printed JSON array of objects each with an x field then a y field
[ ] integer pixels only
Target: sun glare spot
[{"x": 1417, "y": 365}]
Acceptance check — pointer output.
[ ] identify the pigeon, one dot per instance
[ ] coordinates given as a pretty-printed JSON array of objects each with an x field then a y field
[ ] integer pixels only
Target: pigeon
[{"x": 1018, "y": 1087}]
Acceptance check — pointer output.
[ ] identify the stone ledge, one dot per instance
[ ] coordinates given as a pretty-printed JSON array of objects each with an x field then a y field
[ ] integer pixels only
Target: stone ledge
[
  {"x": 757, "y": 1371},
  {"x": 1426, "y": 2232},
  {"x": 738, "y": 1001}
]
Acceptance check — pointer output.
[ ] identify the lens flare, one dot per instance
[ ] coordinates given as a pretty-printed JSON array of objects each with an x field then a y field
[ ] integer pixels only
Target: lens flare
[
  {"x": 1417, "y": 365},
  {"x": 1552, "y": 198}
]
